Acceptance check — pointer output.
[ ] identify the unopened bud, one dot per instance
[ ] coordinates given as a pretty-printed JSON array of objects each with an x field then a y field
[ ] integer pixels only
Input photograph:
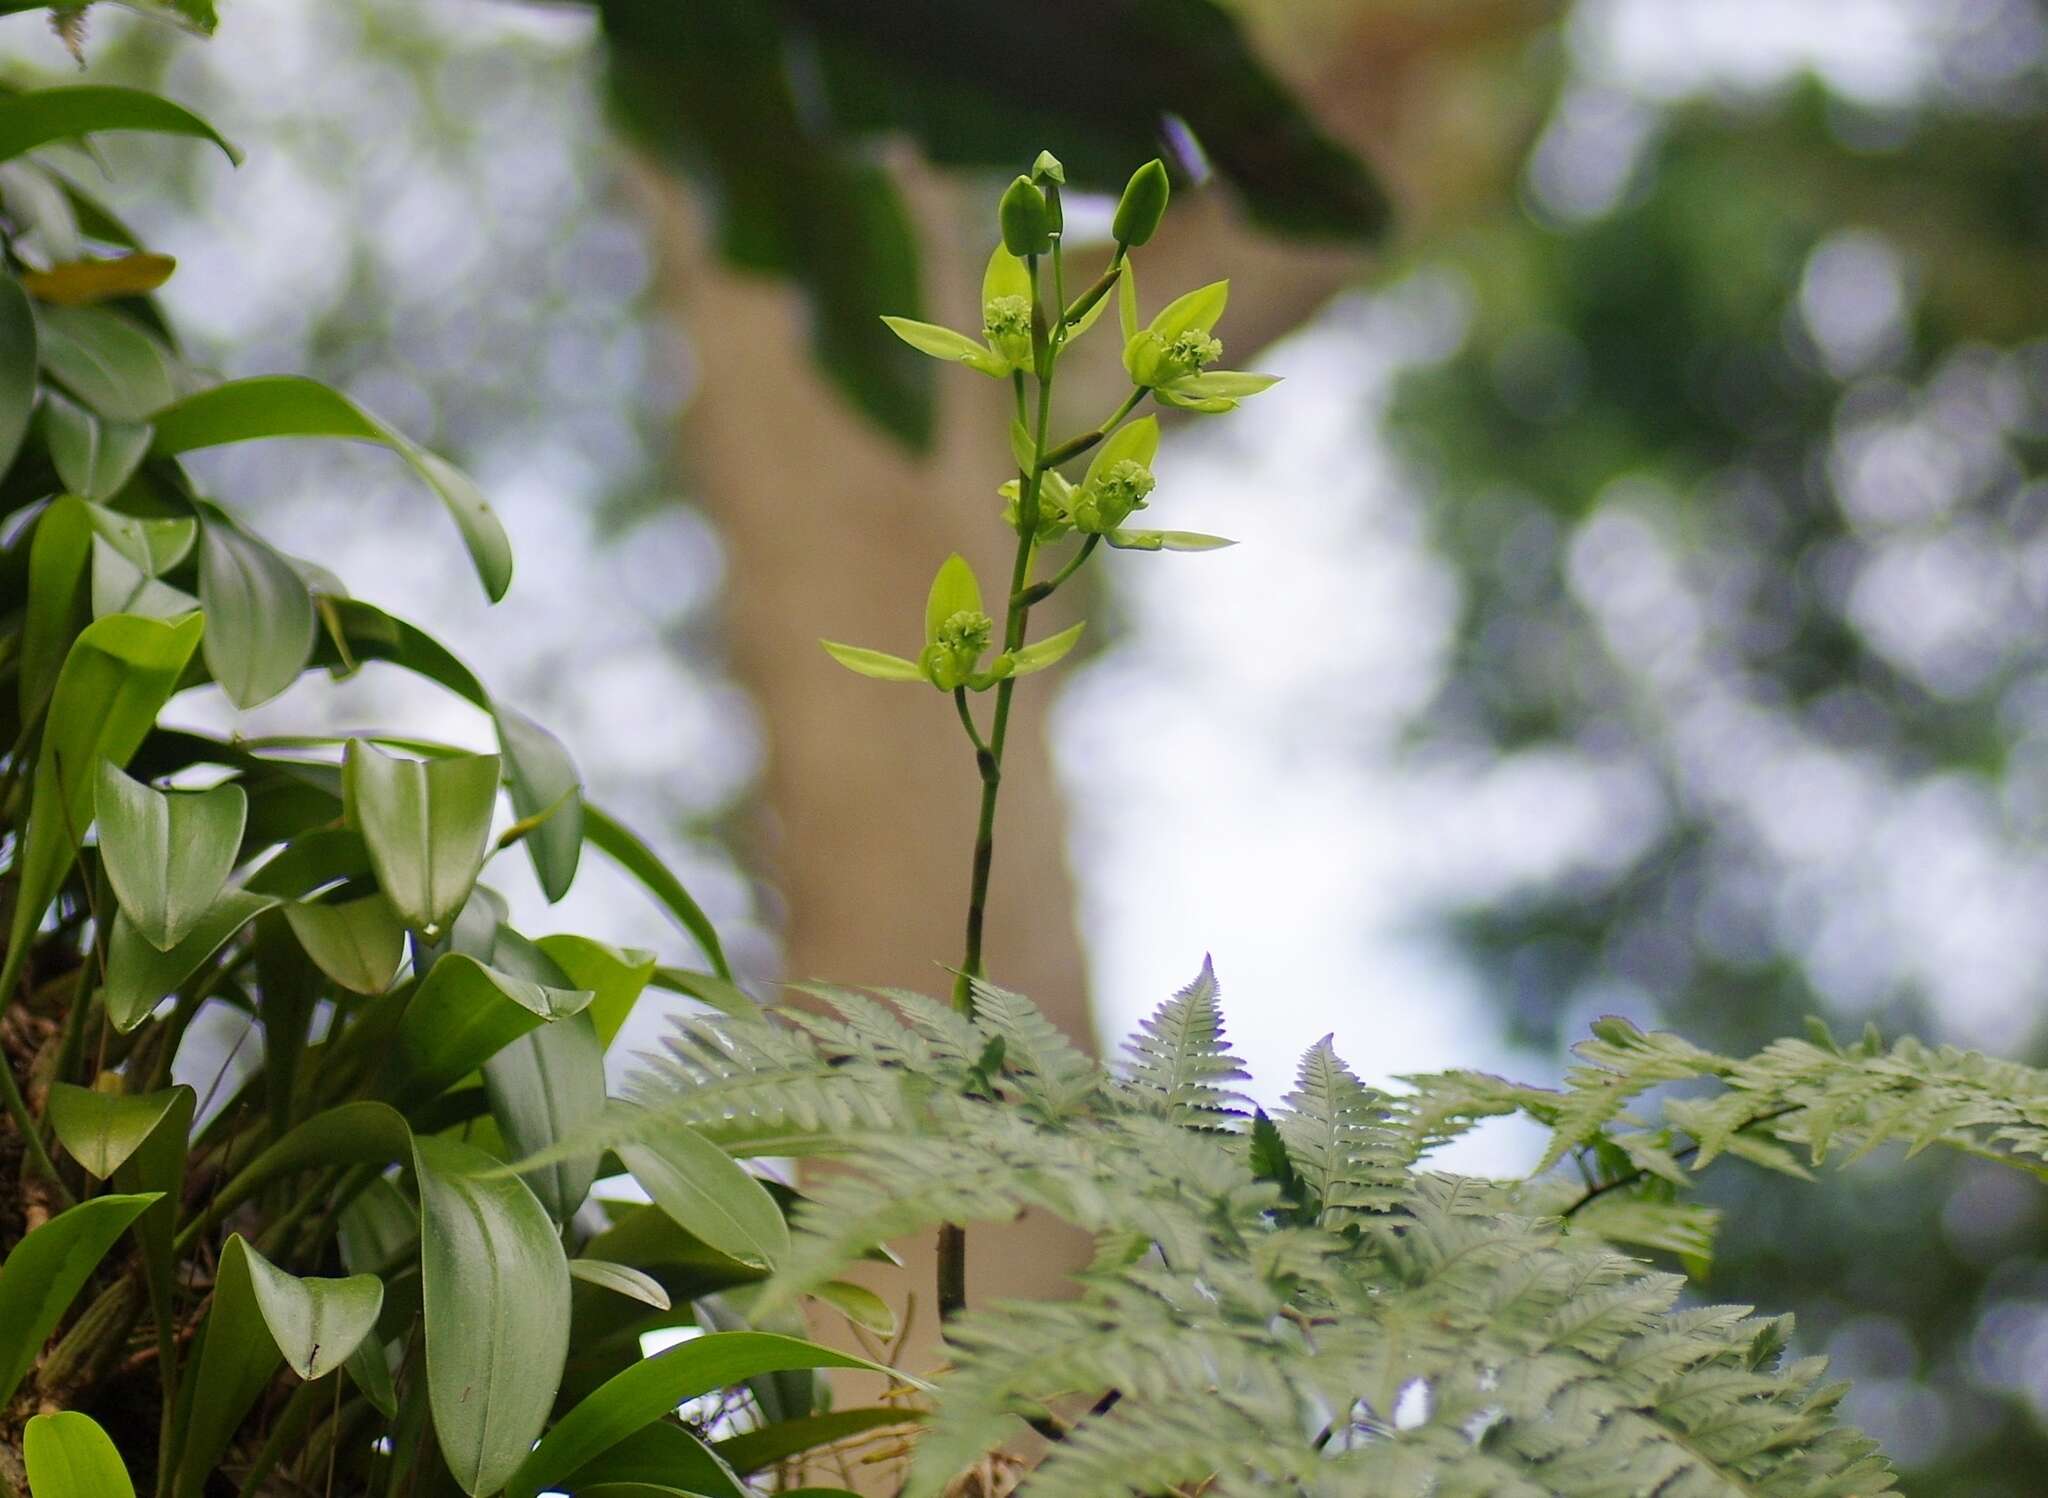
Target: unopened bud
[
  {"x": 1022, "y": 214},
  {"x": 1143, "y": 204}
]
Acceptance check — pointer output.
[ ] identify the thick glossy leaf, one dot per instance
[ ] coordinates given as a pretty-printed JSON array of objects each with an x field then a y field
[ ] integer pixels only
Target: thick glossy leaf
[
  {"x": 545, "y": 1086},
  {"x": 130, "y": 556},
  {"x": 427, "y": 824},
  {"x": 650, "y": 1389},
  {"x": 68, "y": 1456},
  {"x": 543, "y": 779},
  {"x": 236, "y": 1357},
  {"x": 167, "y": 854},
  {"x": 18, "y": 366},
  {"x": 616, "y": 977},
  {"x": 755, "y": 1450},
  {"x": 139, "y": 977},
  {"x": 463, "y": 1014},
  {"x": 495, "y": 1286},
  {"x": 110, "y": 361},
  {"x": 259, "y": 613},
  {"x": 154, "y": 543},
  {"x": 860, "y": 1305},
  {"x": 316, "y": 1323},
  {"x": 878, "y": 664},
  {"x": 118, "y": 673},
  {"x": 710, "y": 1194},
  {"x": 289, "y": 406},
  {"x": 58, "y": 607},
  {"x": 50, "y": 114},
  {"x": 621, "y": 1279},
  {"x": 658, "y": 1454},
  {"x": 45, "y": 1272},
  {"x": 357, "y": 943},
  {"x": 102, "y": 1129},
  {"x": 636, "y": 858}
]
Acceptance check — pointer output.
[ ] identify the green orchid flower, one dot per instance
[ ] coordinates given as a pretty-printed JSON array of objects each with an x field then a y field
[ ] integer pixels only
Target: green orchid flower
[
  {"x": 1005, "y": 323},
  {"x": 957, "y": 634},
  {"x": 1171, "y": 356}
]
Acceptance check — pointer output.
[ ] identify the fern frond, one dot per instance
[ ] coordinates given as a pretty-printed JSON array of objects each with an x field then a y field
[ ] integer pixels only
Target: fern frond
[
  {"x": 1050, "y": 1074},
  {"x": 1339, "y": 1133},
  {"x": 1180, "y": 1062},
  {"x": 1291, "y": 1305}
]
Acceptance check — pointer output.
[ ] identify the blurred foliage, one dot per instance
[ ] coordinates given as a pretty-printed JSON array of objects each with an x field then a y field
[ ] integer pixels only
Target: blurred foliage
[
  {"x": 1739, "y": 472},
  {"x": 779, "y": 109}
]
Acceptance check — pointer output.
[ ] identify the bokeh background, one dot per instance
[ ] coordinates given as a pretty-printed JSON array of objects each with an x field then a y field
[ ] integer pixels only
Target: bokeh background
[{"x": 1642, "y": 604}]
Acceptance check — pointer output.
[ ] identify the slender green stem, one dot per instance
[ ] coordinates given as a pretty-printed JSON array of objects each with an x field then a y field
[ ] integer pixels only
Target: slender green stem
[
  {"x": 1074, "y": 446},
  {"x": 1037, "y": 593}
]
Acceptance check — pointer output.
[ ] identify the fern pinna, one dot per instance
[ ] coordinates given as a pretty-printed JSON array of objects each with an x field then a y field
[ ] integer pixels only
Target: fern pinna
[{"x": 1299, "y": 1304}]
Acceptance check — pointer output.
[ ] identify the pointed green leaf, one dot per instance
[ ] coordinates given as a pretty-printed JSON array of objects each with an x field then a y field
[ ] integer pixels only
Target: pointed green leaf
[
  {"x": 259, "y": 614},
  {"x": 495, "y": 1297},
  {"x": 18, "y": 365},
  {"x": 168, "y": 855},
  {"x": 1197, "y": 311},
  {"x": 621, "y": 1279},
  {"x": 616, "y": 977},
  {"x": 944, "y": 343},
  {"x": 709, "y": 1194},
  {"x": 235, "y": 1358},
  {"x": 545, "y": 1086},
  {"x": 46, "y": 1270},
  {"x": 427, "y": 824},
  {"x": 94, "y": 458},
  {"x": 616, "y": 841},
  {"x": 139, "y": 976},
  {"x": 357, "y": 943},
  {"x": 876, "y": 663},
  {"x": 316, "y": 1323},
  {"x": 649, "y": 1389},
  {"x": 463, "y": 1014},
  {"x": 44, "y": 115},
  {"x": 954, "y": 590},
  {"x": 543, "y": 778},
  {"x": 1165, "y": 541},
  {"x": 117, "y": 675},
  {"x": 68, "y": 1456},
  {"x": 102, "y": 1129},
  {"x": 1005, "y": 275},
  {"x": 1230, "y": 384},
  {"x": 1135, "y": 441},
  {"x": 289, "y": 406},
  {"x": 1047, "y": 651}
]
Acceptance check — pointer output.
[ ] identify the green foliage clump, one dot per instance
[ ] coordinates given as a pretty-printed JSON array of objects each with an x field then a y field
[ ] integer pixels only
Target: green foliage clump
[{"x": 1302, "y": 1300}]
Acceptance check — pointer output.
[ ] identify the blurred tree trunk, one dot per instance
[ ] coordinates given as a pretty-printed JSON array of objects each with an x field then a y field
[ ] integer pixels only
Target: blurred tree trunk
[{"x": 835, "y": 530}]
